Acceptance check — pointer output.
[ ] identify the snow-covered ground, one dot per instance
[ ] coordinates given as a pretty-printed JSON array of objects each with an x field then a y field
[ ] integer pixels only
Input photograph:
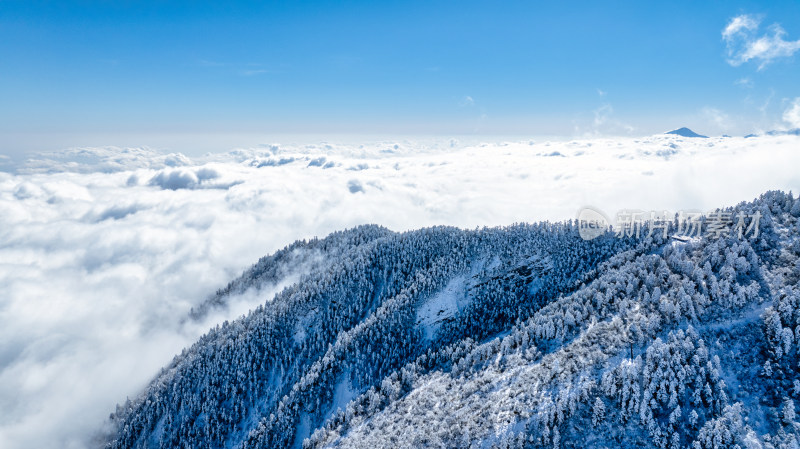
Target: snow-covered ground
[
  {"x": 103, "y": 252},
  {"x": 442, "y": 307}
]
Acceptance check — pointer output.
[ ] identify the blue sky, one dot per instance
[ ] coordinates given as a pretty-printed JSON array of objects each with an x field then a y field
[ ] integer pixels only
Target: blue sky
[{"x": 463, "y": 67}]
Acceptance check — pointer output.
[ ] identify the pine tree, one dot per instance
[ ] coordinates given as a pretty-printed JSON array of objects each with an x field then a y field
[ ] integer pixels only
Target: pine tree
[{"x": 598, "y": 412}]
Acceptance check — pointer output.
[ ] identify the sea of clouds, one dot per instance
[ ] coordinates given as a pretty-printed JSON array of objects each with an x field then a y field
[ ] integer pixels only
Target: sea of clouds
[{"x": 104, "y": 251}]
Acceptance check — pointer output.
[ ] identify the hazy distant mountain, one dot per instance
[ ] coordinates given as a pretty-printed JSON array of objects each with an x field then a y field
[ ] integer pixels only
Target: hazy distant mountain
[
  {"x": 790, "y": 132},
  {"x": 685, "y": 132},
  {"x": 517, "y": 337}
]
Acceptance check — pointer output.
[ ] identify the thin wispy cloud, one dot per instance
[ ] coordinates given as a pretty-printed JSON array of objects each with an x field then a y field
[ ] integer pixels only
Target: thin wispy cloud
[
  {"x": 718, "y": 118},
  {"x": 602, "y": 114},
  {"x": 745, "y": 82},
  {"x": 207, "y": 63},
  {"x": 466, "y": 101},
  {"x": 604, "y": 123},
  {"x": 253, "y": 72},
  {"x": 740, "y": 24},
  {"x": 745, "y": 44},
  {"x": 792, "y": 114}
]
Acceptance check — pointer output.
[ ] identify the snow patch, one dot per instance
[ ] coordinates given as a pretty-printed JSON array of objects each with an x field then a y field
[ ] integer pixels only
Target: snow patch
[
  {"x": 343, "y": 393},
  {"x": 442, "y": 307},
  {"x": 300, "y": 328}
]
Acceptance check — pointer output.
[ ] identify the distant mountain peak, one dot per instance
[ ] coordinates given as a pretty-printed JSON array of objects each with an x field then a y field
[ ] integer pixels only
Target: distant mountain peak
[{"x": 685, "y": 132}]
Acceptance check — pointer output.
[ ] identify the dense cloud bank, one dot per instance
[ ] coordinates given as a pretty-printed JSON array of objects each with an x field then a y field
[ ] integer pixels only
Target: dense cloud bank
[{"x": 105, "y": 252}]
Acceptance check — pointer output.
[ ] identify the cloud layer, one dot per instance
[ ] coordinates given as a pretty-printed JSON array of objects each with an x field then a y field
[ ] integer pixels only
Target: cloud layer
[{"x": 103, "y": 252}]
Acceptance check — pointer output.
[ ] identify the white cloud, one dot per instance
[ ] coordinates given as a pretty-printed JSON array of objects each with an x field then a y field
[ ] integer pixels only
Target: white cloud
[
  {"x": 184, "y": 178},
  {"x": 792, "y": 114},
  {"x": 740, "y": 24},
  {"x": 744, "y": 44},
  {"x": 466, "y": 101},
  {"x": 99, "y": 273},
  {"x": 175, "y": 179},
  {"x": 103, "y": 159},
  {"x": 355, "y": 186}
]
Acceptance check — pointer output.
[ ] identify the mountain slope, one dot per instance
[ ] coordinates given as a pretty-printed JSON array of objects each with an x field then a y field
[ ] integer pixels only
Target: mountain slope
[
  {"x": 525, "y": 336},
  {"x": 686, "y": 132}
]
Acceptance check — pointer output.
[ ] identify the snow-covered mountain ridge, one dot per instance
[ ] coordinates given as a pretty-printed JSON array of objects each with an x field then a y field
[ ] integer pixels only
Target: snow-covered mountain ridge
[{"x": 547, "y": 340}]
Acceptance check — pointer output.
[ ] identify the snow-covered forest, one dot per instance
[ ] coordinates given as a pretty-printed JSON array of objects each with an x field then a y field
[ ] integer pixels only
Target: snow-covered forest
[{"x": 511, "y": 337}]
